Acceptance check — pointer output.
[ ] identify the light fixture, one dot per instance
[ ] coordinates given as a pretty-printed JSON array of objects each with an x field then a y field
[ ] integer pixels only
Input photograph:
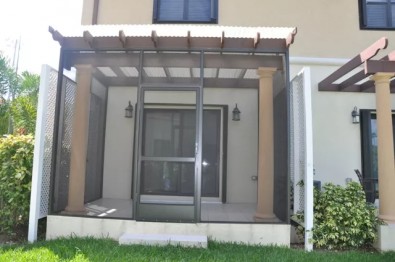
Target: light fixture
[
  {"x": 236, "y": 114},
  {"x": 129, "y": 111},
  {"x": 355, "y": 115}
]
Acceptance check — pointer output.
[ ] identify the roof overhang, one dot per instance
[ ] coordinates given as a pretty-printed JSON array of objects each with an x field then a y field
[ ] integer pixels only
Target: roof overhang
[
  {"x": 126, "y": 55},
  {"x": 175, "y": 37}
]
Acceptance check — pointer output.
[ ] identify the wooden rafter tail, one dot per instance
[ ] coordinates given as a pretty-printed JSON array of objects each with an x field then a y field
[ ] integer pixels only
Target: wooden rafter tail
[
  {"x": 154, "y": 38},
  {"x": 189, "y": 39},
  {"x": 365, "y": 55},
  {"x": 372, "y": 50},
  {"x": 56, "y": 35},
  {"x": 291, "y": 37},
  {"x": 88, "y": 38},
  {"x": 223, "y": 39},
  {"x": 257, "y": 39},
  {"x": 122, "y": 38}
]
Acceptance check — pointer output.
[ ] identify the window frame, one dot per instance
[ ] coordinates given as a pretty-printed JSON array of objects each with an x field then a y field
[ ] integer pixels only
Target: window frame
[
  {"x": 213, "y": 19},
  {"x": 363, "y": 17}
]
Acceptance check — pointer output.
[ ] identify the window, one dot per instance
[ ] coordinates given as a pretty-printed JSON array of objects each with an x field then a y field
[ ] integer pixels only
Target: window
[
  {"x": 185, "y": 11},
  {"x": 377, "y": 14}
]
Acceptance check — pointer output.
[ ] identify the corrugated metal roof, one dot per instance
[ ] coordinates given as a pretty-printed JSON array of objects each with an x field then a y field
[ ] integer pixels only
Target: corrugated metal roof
[
  {"x": 167, "y": 30},
  {"x": 115, "y": 37}
]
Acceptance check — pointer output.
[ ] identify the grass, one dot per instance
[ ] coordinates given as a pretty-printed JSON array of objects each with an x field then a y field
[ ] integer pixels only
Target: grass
[{"x": 88, "y": 249}]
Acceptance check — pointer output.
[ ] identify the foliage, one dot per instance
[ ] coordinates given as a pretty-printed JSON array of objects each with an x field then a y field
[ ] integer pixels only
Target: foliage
[
  {"x": 342, "y": 217},
  {"x": 89, "y": 249},
  {"x": 21, "y": 107},
  {"x": 16, "y": 158}
]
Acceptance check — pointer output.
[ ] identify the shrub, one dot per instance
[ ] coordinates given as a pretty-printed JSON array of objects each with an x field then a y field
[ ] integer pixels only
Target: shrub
[
  {"x": 16, "y": 160},
  {"x": 342, "y": 217}
]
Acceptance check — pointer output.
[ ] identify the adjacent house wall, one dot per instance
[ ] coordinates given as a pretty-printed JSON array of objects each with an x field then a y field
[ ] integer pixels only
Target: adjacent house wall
[
  {"x": 242, "y": 141},
  {"x": 337, "y": 141}
]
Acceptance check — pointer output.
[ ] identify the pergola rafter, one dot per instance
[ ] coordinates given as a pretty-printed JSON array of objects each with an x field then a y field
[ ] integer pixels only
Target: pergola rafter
[{"x": 385, "y": 64}]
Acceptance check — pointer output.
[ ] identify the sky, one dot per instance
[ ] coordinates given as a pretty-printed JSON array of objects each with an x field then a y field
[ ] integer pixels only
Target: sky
[{"x": 28, "y": 21}]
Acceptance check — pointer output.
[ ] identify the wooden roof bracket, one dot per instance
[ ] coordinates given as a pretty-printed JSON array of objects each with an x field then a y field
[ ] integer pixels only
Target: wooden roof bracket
[
  {"x": 257, "y": 39},
  {"x": 122, "y": 38},
  {"x": 89, "y": 39},
  {"x": 154, "y": 38},
  {"x": 291, "y": 38},
  {"x": 222, "y": 40},
  {"x": 189, "y": 39},
  {"x": 365, "y": 55}
]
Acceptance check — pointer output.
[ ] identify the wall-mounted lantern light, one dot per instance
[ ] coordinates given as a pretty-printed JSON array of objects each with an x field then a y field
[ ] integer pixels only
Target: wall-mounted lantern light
[
  {"x": 236, "y": 114},
  {"x": 355, "y": 115},
  {"x": 129, "y": 111}
]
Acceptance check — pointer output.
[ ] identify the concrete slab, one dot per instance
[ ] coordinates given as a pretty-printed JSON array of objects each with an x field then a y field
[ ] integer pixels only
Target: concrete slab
[
  {"x": 251, "y": 234},
  {"x": 163, "y": 240}
]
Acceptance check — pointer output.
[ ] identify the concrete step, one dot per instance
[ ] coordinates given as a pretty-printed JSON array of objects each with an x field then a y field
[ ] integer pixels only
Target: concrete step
[{"x": 163, "y": 240}]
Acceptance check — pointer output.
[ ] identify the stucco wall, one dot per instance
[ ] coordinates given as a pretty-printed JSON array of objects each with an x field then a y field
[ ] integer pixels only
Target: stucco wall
[
  {"x": 242, "y": 140},
  {"x": 325, "y": 28},
  {"x": 118, "y": 156}
]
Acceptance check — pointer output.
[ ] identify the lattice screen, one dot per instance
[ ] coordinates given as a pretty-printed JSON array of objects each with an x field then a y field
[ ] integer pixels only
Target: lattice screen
[
  {"x": 61, "y": 183},
  {"x": 47, "y": 161},
  {"x": 298, "y": 141}
]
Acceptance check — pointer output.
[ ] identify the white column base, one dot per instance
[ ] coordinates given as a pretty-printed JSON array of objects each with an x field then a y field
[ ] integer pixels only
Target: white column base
[{"x": 385, "y": 238}]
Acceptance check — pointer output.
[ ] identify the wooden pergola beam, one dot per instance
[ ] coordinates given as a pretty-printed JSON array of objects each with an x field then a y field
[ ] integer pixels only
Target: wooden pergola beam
[
  {"x": 372, "y": 67},
  {"x": 365, "y": 55}
]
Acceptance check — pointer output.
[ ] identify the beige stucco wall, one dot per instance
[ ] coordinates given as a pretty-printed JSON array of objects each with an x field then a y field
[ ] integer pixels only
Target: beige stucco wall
[
  {"x": 242, "y": 140},
  {"x": 118, "y": 154},
  {"x": 325, "y": 28}
]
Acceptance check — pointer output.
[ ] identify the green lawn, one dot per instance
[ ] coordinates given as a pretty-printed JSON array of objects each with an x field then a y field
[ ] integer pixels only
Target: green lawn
[{"x": 88, "y": 249}]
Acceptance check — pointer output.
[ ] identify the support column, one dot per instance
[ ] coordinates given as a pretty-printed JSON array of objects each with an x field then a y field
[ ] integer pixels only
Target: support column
[
  {"x": 385, "y": 147},
  {"x": 266, "y": 145},
  {"x": 79, "y": 140}
]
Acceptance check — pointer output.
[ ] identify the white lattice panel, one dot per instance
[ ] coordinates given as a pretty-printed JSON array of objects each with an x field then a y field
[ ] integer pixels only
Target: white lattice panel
[
  {"x": 297, "y": 141},
  {"x": 47, "y": 161}
]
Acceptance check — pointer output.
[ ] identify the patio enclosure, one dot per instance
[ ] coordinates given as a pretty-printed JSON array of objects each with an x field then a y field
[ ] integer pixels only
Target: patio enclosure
[{"x": 179, "y": 154}]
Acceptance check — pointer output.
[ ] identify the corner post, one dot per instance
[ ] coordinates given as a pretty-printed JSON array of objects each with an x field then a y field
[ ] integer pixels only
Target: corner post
[
  {"x": 385, "y": 149},
  {"x": 266, "y": 145},
  {"x": 79, "y": 140}
]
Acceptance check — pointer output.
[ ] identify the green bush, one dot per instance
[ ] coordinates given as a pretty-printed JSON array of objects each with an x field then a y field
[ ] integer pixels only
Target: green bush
[
  {"x": 16, "y": 159},
  {"x": 342, "y": 217}
]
